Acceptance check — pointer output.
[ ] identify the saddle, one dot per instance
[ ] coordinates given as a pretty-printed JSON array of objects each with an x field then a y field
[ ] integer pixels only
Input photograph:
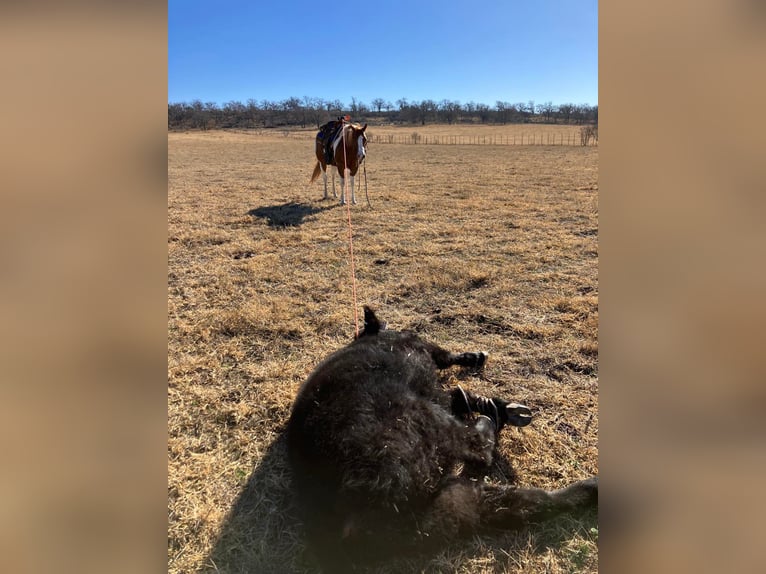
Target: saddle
[{"x": 326, "y": 135}]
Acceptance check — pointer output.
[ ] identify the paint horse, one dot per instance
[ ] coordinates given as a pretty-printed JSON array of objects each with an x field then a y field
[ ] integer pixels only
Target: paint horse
[{"x": 349, "y": 150}]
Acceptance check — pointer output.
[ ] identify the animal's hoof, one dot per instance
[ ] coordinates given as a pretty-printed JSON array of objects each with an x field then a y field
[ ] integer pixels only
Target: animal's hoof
[
  {"x": 518, "y": 415},
  {"x": 504, "y": 413},
  {"x": 482, "y": 358}
]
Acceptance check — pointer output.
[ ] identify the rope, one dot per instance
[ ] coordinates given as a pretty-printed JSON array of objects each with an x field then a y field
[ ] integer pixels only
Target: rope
[
  {"x": 364, "y": 166},
  {"x": 350, "y": 234}
]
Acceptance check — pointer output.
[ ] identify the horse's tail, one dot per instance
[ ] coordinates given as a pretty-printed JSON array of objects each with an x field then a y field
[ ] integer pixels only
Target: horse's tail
[{"x": 317, "y": 171}]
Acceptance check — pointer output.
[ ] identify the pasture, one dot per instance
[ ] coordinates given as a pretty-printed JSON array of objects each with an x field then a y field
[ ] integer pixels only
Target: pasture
[{"x": 473, "y": 247}]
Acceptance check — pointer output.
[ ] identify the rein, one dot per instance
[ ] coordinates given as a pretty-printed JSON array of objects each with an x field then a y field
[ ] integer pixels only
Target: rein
[
  {"x": 364, "y": 169},
  {"x": 359, "y": 187}
]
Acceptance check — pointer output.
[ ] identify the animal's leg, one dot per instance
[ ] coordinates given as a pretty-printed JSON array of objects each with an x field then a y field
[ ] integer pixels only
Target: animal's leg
[
  {"x": 461, "y": 507},
  {"x": 335, "y": 195},
  {"x": 508, "y": 507},
  {"x": 502, "y": 413},
  {"x": 342, "y": 190},
  {"x": 324, "y": 176},
  {"x": 444, "y": 358},
  {"x": 464, "y": 507},
  {"x": 353, "y": 195}
]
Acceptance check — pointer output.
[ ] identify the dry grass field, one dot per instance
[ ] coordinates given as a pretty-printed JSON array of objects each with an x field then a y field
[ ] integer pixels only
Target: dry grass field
[{"x": 473, "y": 247}]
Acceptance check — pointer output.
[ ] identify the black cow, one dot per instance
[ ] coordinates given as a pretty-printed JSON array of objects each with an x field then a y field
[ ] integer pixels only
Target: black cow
[{"x": 374, "y": 446}]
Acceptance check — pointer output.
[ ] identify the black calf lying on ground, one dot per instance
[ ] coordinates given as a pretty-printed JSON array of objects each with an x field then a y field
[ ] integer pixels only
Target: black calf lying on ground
[{"x": 374, "y": 454}]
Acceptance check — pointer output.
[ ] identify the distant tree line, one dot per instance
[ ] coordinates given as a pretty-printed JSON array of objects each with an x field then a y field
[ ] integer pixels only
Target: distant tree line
[{"x": 313, "y": 112}]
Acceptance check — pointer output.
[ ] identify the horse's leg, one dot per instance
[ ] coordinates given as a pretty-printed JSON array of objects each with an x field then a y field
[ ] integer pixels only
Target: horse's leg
[
  {"x": 342, "y": 189},
  {"x": 324, "y": 177},
  {"x": 334, "y": 194},
  {"x": 341, "y": 175},
  {"x": 353, "y": 195}
]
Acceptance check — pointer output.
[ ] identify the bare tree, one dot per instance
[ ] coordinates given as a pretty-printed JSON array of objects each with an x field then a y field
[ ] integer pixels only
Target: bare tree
[
  {"x": 426, "y": 110},
  {"x": 503, "y": 110},
  {"x": 253, "y": 113},
  {"x": 378, "y": 103},
  {"x": 565, "y": 110},
  {"x": 270, "y": 110},
  {"x": 233, "y": 114},
  {"x": 314, "y": 109},
  {"x": 449, "y": 110},
  {"x": 334, "y": 107},
  {"x": 483, "y": 110},
  {"x": 469, "y": 110},
  {"x": 310, "y": 110},
  {"x": 587, "y": 133},
  {"x": 546, "y": 110}
]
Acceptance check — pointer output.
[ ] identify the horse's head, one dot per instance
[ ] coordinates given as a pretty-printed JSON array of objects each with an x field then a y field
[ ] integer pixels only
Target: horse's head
[
  {"x": 361, "y": 141},
  {"x": 355, "y": 141}
]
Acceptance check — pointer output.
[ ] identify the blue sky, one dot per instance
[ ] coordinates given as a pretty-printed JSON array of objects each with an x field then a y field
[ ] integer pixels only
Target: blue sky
[{"x": 541, "y": 50}]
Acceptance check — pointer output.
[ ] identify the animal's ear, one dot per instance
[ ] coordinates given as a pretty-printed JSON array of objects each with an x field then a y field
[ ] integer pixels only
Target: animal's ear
[
  {"x": 364, "y": 127},
  {"x": 371, "y": 323}
]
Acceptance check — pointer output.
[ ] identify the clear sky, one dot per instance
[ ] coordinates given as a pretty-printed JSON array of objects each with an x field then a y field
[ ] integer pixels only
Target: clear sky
[{"x": 459, "y": 50}]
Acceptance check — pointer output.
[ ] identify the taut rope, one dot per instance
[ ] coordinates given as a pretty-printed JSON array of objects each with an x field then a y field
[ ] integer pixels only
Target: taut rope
[{"x": 350, "y": 233}]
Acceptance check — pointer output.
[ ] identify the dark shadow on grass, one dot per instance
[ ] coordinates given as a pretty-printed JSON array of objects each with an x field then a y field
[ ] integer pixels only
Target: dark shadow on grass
[
  {"x": 261, "y": 533},
  {"x": 288, "y": 214}
]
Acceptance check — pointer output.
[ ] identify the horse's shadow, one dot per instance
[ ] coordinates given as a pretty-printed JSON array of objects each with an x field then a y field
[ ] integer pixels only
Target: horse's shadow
[
  {"x": 262, "y": 532},
  {"x": 288, "y": 214}
]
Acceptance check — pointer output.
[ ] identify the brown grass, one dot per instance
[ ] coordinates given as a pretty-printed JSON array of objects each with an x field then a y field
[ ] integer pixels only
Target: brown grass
[{"x": 475, "y": 247}]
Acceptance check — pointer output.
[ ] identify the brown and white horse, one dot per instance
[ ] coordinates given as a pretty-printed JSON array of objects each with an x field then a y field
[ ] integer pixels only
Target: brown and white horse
[{"x": 350, "y": 149}]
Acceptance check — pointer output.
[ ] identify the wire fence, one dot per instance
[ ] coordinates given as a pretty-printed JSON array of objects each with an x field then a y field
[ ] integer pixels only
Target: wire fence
[
  {"x": 551, "y": 139},
  {"x": 581, "y": 138}
]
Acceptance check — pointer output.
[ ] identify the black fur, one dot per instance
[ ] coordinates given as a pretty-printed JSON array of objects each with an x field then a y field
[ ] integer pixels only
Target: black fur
[{"x": 374, "y": 454}]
